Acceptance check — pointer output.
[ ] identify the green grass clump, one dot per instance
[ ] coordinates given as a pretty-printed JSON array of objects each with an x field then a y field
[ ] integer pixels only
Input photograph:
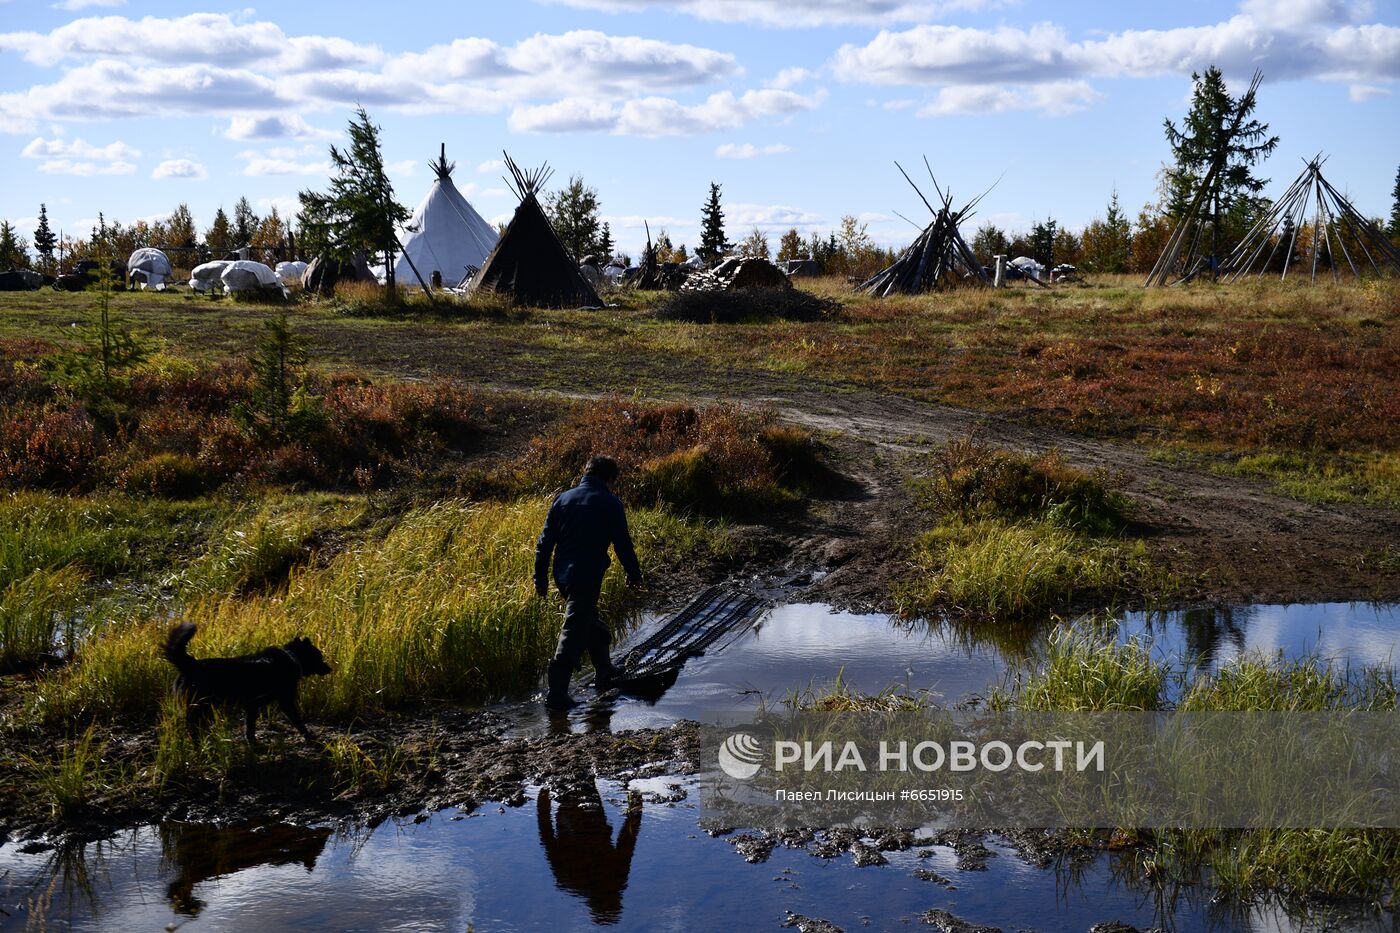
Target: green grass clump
[
  {"x": 971, "y": 480},
  {"x": 841, "y": 696},
  {"x": 995, "y": 570},
  {"x": 255, "y": 549},
  {"x": 34, "y": 610},
  {"x": 1083, "y": 671},
  {"x": 442, "y": 607},
  {"x": 1370, "y": 477},
  {"x": 102, "y": 536},
  {"x": 69, "y": 780}
]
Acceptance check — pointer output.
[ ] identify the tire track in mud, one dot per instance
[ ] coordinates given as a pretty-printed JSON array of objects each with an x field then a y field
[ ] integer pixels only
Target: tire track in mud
[{"x": 1237, "y": 539}]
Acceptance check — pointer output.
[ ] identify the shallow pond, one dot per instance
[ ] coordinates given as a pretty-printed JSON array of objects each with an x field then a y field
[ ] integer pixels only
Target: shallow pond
[{"x": 540, "y": 866}]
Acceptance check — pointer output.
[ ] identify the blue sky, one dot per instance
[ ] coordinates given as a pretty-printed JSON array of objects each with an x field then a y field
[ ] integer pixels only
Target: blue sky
[{"x": 797, "y": 107}]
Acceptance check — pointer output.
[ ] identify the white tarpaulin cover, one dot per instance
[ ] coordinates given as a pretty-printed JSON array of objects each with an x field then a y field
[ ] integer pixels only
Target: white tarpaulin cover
[
  {"x": 290, "y": 273},
  {"x": 445, "y": 234},
  {"x": 243, "y": 275},
  {"x": 1028, "y": 266},
  {"x": 151, "y": 266},
  {"x": 208, "y": 276}
]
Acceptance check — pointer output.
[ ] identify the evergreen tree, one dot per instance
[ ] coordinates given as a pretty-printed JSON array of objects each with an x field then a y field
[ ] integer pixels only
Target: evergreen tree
[
  {"x": 790, "y": 245},
  {"x": 359, "y": 212},
  {"x": 271, "y": 239},
  {"x": 219, "y": 236},
  {"x": 1043, "y": 243},
  {"x": 1394, "y": 210},
  {"x": 179, "y": 229},
  {"x": 1106, "y": 242},
  {"x": 14, "y": 251},
  {"x": 44, "y": 240},
  {"x": 606, "y": 246},
  {"x": 245, "y": 224},
  {"x": 1204, "y": 139},
  {"x": 713, "y": 245},
  {"x": 573, "y": 212}
]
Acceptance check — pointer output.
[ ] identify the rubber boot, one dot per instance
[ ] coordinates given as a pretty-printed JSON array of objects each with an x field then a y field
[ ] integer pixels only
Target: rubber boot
[{"x": 558, "y": 679}]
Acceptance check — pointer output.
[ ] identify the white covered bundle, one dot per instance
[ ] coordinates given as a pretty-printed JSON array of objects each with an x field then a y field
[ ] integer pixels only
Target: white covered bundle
[
  {"x": 151, "y": 266},
  {"x": 208, "y": 276},
  {"x": 290, "y": 273},
  {"x": 243, "y": 275}
]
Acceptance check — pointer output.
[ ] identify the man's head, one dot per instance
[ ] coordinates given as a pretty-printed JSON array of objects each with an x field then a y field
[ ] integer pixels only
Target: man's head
[{"x": 603, "y": 469}]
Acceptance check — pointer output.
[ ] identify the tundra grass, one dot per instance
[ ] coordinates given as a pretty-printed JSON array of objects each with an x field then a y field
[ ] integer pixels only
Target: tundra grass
[
  {"x": 1085, "y": 670},
  {"x": 442, "y": 607},
  {"x": 1002, "y": 571}
]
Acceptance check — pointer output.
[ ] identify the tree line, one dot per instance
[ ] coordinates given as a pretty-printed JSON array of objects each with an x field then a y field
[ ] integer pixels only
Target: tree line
[
  {"x": 268, "y": 238},
  {"x": 359, "y": 213}
]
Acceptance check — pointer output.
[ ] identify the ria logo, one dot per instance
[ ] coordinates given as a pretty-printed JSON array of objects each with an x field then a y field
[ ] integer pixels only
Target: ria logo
[{"x": 740, "y": 756}]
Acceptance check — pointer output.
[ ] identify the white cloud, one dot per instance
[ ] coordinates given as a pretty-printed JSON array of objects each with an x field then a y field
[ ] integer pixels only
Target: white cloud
[
  {"x": 112, "y": 89},
  {"x": 790, "y": 76},
  {"x": 85, "y": 169},
  {"x": 748, "y": 150},
  {"x": 771, "y": 215},
  {"x": 792, "y": 12},
  {"x": 1359, "y": 93},
  {"x": 84, "y": 4},
  {"x": 287, "y": 205},
  {"x": 658, "y": 116},
  {"x": 405, "y": 167},
  {"x": 491, "y": 165},
  {"x": 1286, "y": 39},
  {"x": 213, "y": 39},
  {"x": 180, "y": 168},
  {"x": 1056, "y": 98},
  {"x": 40, "y": 148},
  {"x": 262, "y": 164},
  {"x": 264, "y": 80},
  {"x": 274, "y": 126}
]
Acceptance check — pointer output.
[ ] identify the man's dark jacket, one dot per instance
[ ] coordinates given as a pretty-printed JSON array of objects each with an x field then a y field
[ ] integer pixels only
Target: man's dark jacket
[{"x": 581, "y": 524}]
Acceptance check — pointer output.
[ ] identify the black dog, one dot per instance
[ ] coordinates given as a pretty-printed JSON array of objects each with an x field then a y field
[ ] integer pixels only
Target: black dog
[{"x": 251, "y": 681}]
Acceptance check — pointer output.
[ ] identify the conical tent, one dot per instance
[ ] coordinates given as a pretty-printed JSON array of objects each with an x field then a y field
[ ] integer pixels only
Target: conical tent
[
  {"x": 529, "y": 264},
  {"x": 445, "y": 234}
]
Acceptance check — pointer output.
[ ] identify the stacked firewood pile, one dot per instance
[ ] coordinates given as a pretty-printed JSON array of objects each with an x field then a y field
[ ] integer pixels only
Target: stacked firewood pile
[{"x": 734, "y": 274}]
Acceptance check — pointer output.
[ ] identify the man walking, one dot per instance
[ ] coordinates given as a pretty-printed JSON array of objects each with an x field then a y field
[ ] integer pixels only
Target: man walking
[{"x": 581, "y": 524}]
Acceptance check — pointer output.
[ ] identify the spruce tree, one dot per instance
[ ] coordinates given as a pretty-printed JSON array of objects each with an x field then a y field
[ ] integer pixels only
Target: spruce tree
[
  {"x": 219, "y": 237},
  {"x": 245, "y": 224},
  {"x": 1205, "y": 138},
  {"x": 359, "y": 212},
  {"x": 606, "y": 246},
  {"x": 44, "y": 239},
  {"x": 1394, "y": 210},
  {"x": 713, "y": 245},
  {"x": 573, "y": 212},
  {"x": 14, "y": 252}
]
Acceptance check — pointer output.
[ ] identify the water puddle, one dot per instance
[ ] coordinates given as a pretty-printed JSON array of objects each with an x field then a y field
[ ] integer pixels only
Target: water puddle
[
  {"x": 649, "y": 866},
  {"x": 1345, "y": 634},
  {"x": 546, "y": 866}
]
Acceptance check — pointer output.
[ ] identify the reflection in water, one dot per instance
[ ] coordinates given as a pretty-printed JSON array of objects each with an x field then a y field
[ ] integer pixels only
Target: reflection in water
[
  {"x": 200, "y": 852},
  {"x": 579, "y": 845}
]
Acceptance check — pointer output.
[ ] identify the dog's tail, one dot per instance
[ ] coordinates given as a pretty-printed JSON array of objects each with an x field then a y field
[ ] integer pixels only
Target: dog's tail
[{"x": 176, "y": 644}]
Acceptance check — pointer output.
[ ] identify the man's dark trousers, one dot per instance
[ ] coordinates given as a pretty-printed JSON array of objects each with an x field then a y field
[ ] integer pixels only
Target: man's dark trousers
[{"x": 583, "y": 631}]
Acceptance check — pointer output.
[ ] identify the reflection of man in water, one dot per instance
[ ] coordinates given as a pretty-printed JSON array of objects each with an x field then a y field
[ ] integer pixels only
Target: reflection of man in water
[{"x": 581, "y": 852}]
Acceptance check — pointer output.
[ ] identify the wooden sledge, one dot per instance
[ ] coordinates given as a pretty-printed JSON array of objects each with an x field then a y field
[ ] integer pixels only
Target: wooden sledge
[{"x": 719, "y": 614}]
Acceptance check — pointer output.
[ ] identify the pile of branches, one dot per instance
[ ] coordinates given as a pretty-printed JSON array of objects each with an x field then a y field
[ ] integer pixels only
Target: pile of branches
[
  {"x": 939, "y": 258},
  {"x": 738, "y": 273},
  {"x": 746, "y": 305}
]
